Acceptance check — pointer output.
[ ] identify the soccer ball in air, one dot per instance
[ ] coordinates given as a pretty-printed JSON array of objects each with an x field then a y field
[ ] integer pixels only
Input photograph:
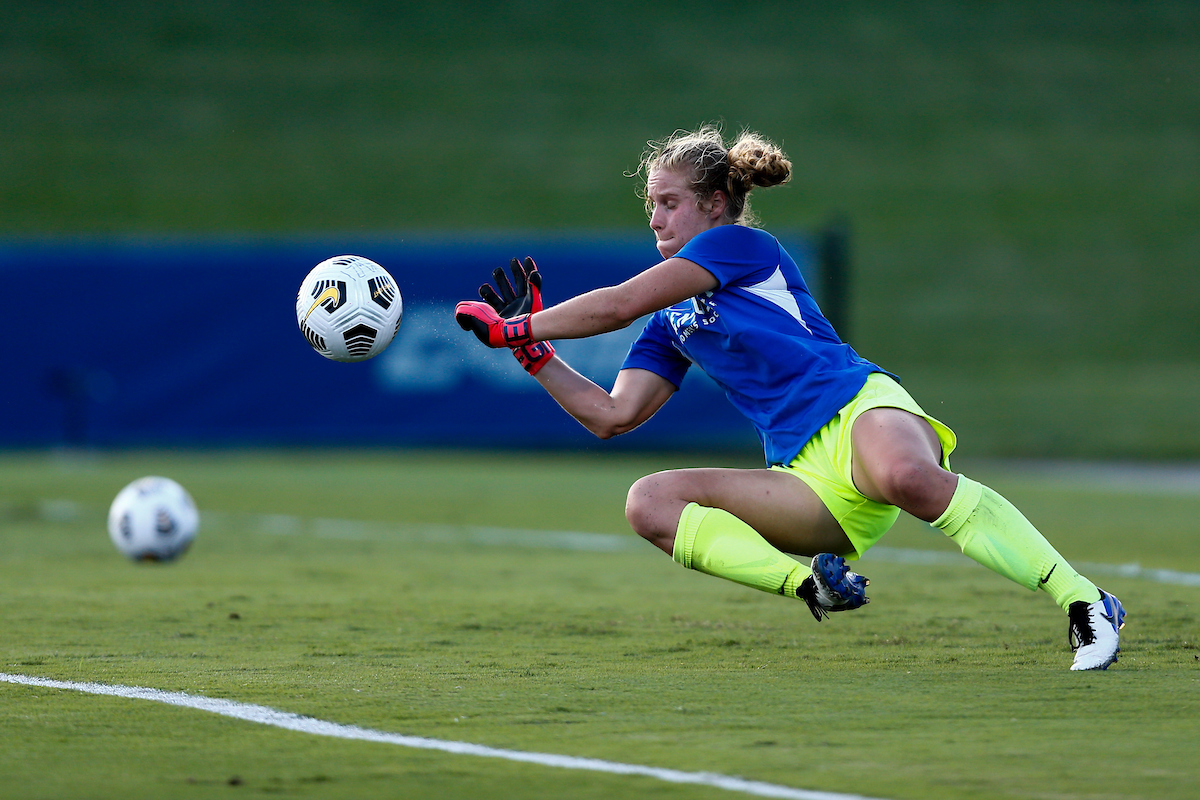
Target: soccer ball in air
[
  {"x": 349, "y": 308},
  {"x": 153, "y": 519}
]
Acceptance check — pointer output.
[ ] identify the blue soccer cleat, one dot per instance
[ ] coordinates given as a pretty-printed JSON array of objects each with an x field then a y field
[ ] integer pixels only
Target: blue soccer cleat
[
  {"x": 1093, "y": 631},
  {"x": 832, "y": 587}
]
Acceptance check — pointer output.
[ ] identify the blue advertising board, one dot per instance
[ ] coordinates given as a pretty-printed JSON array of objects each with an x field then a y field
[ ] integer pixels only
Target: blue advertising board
[{"x": 164, "y": 342}]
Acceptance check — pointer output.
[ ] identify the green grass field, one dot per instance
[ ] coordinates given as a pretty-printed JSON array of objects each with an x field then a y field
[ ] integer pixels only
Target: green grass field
[{"x": 439, "y": 595}]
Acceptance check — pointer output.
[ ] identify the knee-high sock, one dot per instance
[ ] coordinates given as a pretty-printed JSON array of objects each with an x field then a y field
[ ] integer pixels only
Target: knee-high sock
[
  {"x": 713, "y": 541},
  {"x": 991, "y": 530}
]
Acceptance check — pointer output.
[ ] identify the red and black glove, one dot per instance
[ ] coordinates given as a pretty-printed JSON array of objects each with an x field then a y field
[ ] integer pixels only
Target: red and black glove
[
  {"x": 522, "y": 296},
  {"x": 512, "y": 303},
  {"x": 533, "y": 357},
  {"x": 492, "y": 329}
]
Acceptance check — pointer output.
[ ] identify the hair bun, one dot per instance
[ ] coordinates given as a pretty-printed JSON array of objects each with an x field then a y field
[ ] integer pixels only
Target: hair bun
[
  {"x": 739, "y": 176},
  {"x": 759, "y": 161}
]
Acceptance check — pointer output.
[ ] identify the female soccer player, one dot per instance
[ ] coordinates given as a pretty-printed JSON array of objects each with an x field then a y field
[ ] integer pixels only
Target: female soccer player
[{"x": 847, "y": 447}]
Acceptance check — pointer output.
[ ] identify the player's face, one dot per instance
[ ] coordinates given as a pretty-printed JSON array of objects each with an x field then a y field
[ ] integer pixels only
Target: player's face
[{"x": 677, "y": 215}]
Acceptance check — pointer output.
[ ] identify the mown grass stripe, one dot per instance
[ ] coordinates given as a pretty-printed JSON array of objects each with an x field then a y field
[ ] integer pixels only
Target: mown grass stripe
[
  {"x": 287, "y": 524},
  {"x": 611, "y": 543}
]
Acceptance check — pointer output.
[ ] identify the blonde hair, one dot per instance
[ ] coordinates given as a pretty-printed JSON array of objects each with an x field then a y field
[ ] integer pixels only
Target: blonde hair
[{"x": 702, "y": 156}]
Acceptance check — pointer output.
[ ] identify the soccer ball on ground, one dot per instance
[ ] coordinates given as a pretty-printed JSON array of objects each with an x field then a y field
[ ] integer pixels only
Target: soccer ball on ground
[
  {"x": 349, "y": 308},
  {"x": 153, "y": 519}
]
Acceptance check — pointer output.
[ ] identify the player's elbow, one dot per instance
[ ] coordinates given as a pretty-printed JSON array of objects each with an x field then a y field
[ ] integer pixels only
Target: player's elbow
[
  {"x": 610, "y": 429},
  {"x": 636, "y": 395},
  {"x": 613, "y": 422}
]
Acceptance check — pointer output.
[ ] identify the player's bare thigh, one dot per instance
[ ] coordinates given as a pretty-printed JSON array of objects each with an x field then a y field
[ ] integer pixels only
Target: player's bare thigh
[
  {"x": 779, "y": 506},
  {"x": 897, "y": 459}
]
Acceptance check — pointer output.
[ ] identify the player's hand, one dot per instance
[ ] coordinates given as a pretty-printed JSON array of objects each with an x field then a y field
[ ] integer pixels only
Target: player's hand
[
  {"x": 522, "y": 296},
  {"x": 495, "y": 331},
  {"x": 492, "y": 329}
]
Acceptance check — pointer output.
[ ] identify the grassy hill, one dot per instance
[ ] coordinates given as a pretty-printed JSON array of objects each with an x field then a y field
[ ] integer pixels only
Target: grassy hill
[{"x": 1019, "y": 178}]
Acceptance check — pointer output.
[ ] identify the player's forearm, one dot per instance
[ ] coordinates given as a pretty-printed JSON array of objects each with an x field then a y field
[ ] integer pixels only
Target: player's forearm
[
  {"x": 615, "y": 307},
  {"x": 595, "y": 312},
  {"x": 584, "y": 400}
]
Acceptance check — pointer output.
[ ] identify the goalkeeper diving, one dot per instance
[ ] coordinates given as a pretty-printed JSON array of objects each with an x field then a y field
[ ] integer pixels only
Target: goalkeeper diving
[{"x": 847, "y": 449}]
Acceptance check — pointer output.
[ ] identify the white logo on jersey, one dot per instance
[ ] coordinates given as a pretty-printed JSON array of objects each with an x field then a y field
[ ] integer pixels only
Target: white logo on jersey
[
  {"x": 683, "y": 322},
  {"x": 686, "y": 322}
]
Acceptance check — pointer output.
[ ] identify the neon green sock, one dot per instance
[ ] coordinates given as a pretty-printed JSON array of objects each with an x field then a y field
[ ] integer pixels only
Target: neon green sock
[
  {"x": 713, "y": 541},
  {"x": 991, "y": 530}
]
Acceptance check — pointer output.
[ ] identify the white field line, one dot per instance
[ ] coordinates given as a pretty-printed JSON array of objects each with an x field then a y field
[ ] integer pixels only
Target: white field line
[
  {"x": 612, "y": 543},
  {"x": 900, "y": 555},
  {"x": 264, "y": 715},
  {"x": 286, "y": 524},
  {"x": 1180, "y": 480}
]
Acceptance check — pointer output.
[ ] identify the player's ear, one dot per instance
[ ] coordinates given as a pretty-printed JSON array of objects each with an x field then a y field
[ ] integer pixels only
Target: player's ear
[{"x": 717, "y": 204}]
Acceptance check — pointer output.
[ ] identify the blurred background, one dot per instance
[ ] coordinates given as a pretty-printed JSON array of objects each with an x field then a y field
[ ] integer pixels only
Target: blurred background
[{"x": 1014, "y": 186}]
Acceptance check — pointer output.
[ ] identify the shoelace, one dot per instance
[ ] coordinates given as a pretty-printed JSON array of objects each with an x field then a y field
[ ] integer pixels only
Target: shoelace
[{"x": 1081, "y": 632}]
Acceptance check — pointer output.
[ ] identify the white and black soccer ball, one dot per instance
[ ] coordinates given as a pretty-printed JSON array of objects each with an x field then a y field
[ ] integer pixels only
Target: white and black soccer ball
[
  {"x": 349, "y": 308},
  {"x": 153, "y": 519}
]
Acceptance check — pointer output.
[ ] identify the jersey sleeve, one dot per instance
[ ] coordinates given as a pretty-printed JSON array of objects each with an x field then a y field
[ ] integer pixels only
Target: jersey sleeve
[
  {"x": 734, "y": 254},
  {"x": 654, "y": 351}
]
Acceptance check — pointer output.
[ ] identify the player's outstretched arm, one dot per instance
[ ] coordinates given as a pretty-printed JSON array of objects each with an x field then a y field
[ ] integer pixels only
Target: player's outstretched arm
[
  {"x": 592, "y": 313},
  {"x": 635, "y": 396},
  {"x": 615, "y": 307}
]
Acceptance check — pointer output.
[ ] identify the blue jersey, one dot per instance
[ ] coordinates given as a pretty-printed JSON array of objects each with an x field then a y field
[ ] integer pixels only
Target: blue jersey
[{"x": 760, "y": 336}]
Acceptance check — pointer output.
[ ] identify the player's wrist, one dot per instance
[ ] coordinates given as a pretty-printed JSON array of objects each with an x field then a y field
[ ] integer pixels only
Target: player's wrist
[
  {"x": 532, "y": 357},
  {"x": 517, "y": 332}
]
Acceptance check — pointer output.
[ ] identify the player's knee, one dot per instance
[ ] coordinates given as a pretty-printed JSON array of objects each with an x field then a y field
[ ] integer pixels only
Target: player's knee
[
  {"x": 639, "y": 507},
  {"x": 652, "y": 508},
  {"x": 656, "y": 502},
  {"x": 917, "y": 487}
]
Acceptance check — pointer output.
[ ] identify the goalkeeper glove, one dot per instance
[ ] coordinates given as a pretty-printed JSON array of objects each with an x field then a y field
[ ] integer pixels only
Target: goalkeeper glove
[
  {"x": 532, "y": 357},
  {"x": 522, "y": 296},
  {"x": 525, "y": 298},
  {"x": 491, "y": 328}
]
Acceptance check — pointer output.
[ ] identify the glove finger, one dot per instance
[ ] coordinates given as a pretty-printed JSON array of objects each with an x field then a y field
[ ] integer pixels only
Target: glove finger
[
  {"x": 502, "y": 284},
  {"x": 491, "y": 298},
  {"x": 463, "y": 316},
  {"x": 521, "y": 286},
  {"x": 467, "y": 318},
  {"x": 534, "y": 279},
  {"x": 531, "y": 273}
]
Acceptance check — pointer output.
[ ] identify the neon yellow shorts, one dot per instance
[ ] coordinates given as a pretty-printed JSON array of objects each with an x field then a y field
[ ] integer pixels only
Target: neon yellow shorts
[{"x": 825, "y": 463}]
